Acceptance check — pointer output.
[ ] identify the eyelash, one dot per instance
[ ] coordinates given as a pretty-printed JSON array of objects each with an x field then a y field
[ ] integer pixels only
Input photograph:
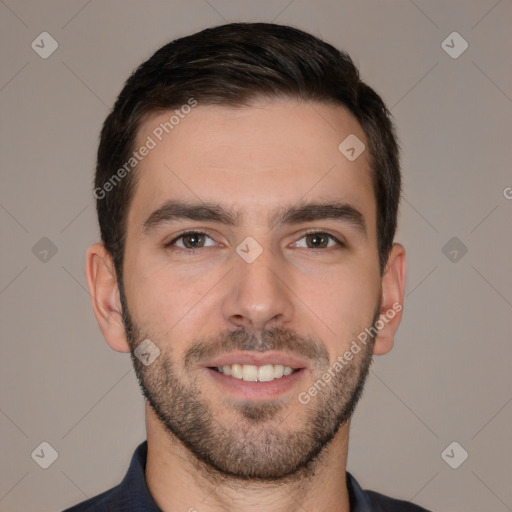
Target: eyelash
[{"x": 170, "y": 244}]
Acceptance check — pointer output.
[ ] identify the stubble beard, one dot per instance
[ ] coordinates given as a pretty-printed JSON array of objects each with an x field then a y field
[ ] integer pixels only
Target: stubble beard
[{"x": 253, "y": 447}]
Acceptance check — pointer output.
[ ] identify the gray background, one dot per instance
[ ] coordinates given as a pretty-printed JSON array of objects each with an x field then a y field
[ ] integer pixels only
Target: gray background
[{"x": 448, "y": 377}]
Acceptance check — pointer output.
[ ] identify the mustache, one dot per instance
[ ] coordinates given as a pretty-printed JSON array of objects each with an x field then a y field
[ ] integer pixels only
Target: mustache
[{"x": 275, "y": 339}]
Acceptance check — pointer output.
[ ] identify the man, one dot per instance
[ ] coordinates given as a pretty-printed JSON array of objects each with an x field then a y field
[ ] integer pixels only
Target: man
[{"x": 247, "y": 191}]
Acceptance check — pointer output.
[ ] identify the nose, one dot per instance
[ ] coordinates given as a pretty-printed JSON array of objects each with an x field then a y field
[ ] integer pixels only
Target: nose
[{"x": 258, "y": 294}]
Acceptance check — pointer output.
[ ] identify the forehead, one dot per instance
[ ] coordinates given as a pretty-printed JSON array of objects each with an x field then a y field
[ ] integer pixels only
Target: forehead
[{"x": 251, "y": 159}]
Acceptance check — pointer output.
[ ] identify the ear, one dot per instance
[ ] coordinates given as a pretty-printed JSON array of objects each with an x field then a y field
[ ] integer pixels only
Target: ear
[
  {"x": 104, "y": 293},
  {"x": 392, "y": 299}
]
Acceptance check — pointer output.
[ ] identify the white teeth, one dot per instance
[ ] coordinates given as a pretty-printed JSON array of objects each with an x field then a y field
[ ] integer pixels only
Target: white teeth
[
  {"x": 236, "y": 371},
  {"x": 278, "y": 371},
  {"x": 266, "y": 373},
  {"x": 250, "y": 372},
  {"x": 253, "y": 373}
]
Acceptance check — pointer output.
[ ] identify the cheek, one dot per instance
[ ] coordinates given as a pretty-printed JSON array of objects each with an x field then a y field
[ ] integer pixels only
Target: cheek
[
  {"x": 342, "y": 302},
  {"x": 333, "y": 302},
  {"x": 164, "y": 298}
]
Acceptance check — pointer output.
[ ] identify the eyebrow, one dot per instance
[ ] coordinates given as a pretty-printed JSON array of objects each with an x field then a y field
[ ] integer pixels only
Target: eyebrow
[{"x": 175, "y": 210}]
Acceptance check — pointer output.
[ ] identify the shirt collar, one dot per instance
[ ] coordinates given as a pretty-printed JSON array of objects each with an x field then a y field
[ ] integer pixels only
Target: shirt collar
[
  {"x": 134, "y": 483},
  {"x": 134, "y": 486}
]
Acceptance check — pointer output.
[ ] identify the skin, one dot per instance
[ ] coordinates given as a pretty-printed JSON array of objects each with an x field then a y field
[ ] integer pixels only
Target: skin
[{"x": 252, "y": 159}]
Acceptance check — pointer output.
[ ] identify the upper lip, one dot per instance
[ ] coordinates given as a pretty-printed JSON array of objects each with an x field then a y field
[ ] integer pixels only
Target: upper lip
[{"x": 257, "y": 359}]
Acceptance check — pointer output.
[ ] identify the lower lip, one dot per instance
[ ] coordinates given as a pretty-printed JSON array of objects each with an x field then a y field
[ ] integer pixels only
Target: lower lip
[{"x": 257, "y": 390}]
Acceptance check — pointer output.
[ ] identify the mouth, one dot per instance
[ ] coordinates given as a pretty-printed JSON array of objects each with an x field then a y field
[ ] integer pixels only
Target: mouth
[
  {"x": 253, "y": 373},
  {"x": 256, "y": 376}
]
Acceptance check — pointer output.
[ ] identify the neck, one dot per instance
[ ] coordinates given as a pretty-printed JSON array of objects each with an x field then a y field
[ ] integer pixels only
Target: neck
[{"x": 178, "y": 481}]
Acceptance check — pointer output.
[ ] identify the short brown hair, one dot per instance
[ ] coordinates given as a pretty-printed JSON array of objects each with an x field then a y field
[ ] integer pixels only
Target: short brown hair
[{"x": 232, "y": 65}]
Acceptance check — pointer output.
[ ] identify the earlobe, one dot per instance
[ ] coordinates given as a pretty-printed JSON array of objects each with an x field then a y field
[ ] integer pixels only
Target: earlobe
[
  {"x": 392, "y": 299},
  {"x": 104, "y": 293}
]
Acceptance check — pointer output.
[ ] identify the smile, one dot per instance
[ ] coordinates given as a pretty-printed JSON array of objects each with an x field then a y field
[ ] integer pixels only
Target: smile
[{"x": 253, "y": 373}]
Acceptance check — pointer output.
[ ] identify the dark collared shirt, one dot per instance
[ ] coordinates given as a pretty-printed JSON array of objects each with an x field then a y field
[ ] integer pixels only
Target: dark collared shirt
[{"x": 132, "y": 494}]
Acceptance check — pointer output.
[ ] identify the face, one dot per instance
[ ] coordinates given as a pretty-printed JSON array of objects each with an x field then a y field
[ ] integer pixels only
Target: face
[{"x": 251, "y": 262}]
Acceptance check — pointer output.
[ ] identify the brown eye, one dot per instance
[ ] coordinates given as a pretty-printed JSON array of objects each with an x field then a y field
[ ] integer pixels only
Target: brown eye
[
  {"x": 317, "y": 240},
  {"x": 193, "y": 240}
]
